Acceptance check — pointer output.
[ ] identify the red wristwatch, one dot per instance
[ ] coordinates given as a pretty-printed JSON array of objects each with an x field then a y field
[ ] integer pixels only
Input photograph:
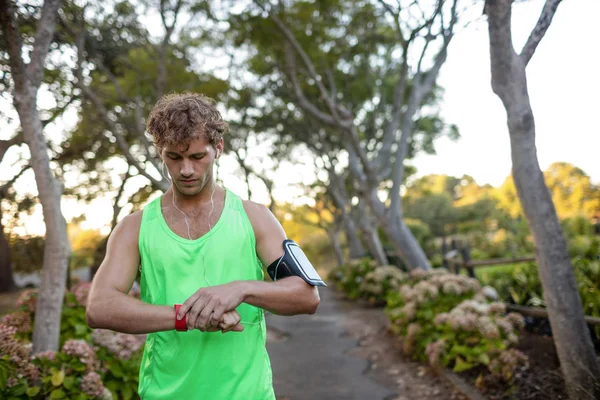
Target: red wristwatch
[{"x": 180, "y": 324}]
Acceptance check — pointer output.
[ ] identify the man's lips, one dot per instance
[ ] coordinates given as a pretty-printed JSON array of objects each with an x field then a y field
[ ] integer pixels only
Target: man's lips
[{"x": 188, "y": 180}]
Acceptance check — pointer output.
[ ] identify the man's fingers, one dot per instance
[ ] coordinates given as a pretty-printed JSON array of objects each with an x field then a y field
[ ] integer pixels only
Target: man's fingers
[
  {"x": 187, "y": 305},
  {"x": 218, "y": 314},
  {"x": 238, "y": 328},
  {"x": 204, "y": 315},
  {"x": 231, "y": 322},
  {"x": 194, "y": 312}
]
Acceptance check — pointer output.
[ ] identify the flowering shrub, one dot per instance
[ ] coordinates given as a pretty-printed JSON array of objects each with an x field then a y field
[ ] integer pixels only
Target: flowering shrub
[
  {"x": 349, "y": 278},
  {"x": 446, "y": 320},
  {"x": 73, "y": 323},
  {"x": 415, "y": 305},
  {"x": 378, "y": 283},
  {"x": 92, "y": 364},
  {"x": 69, "y": 374},
  {"x": 120, "y": 356},
  {"x": 476, "y": 333}
]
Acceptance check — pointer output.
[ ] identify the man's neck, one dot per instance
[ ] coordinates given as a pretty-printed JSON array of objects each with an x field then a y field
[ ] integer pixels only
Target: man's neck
[{"x": 194, "y": 202}]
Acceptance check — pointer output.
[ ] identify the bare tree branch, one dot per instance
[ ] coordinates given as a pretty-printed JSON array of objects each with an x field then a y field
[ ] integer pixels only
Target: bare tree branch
[
  {"x": 540, "y": 30},
  {"x": 162, "y": 52},
  {"x": 502, "y": 52},
  {"x": 418, "y": 93},
  {"x": 14, "y": 44},
  {"x": 395, "y": 14},
  {"x": 116, "y": 208},
  {"x": 58, "y": 111},
  {"x": 43, "y": 37},
  {"x": 5, "y": 186},
  {"x": 291, "y": 66},
  {"x": 101, "y": 109},
  {"x": 334, "y": 108},
  {"x": 6, "y": 144}
]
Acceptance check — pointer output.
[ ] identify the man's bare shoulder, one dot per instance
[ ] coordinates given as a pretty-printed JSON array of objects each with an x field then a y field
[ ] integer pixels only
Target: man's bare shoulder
[
  {"x": 261, "y": 218},
  {"x": 255, "y": 211},
  {"x": 129, "y": 227}
]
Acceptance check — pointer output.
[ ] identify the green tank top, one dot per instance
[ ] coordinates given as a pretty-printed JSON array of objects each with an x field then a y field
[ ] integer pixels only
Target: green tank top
[{"x": 202, "y": 365}]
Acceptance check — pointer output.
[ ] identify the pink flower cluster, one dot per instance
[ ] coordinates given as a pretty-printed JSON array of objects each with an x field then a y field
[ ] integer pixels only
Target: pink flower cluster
[
  {"x": 91, "y": 384},
  {"x": 435, "y": 351},
  {"x": 488, "y": 319},
  {"x": 433, "y": 283},
  {"x": 81, "y": 350},
  {"x": 28, "y": 299},
  {"x": 48, "y": 355},
  {"x": 119, "y": 344},
  {"x": 385, "y": 275},
  {"x": 19, "y": 353},
  {"x": 21, "y": 320},
  {"x": 507, "y": 362},
  {"x": 81, "y": 292}
]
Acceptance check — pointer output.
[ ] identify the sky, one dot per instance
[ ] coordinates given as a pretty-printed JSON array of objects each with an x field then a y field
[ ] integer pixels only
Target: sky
[
  {"x": 563, "y": 88},
  {"x": 563, "y": 83}
]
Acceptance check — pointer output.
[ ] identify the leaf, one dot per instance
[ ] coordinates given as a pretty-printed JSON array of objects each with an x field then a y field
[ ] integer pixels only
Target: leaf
[
  {"x": 484, "y": 359},
  {"x": 116, "y": 369},
  {"x": 58, "y": 377},
  {"x": 80, "y": 329},
  {"x": 33, "y": 391},
  {"x": 127, "y": 393},
  {"x": 57, "y": 394},
  {"x": 69, "y": 382},
  {"x": 461, "y": 365}
]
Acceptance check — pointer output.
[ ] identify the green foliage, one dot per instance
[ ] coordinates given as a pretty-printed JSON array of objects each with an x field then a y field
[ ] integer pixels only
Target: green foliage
[
  {"x": 435, "y": 210},
  {"x": 378, "y": 284},
  {"x": 27, "y": 253},
  {"x": 522, "y": 285},
  {"x": 349, "y": 278}
]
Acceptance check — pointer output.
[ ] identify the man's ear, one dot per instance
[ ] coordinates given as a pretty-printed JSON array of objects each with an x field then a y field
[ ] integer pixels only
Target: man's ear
[{"x": 219, "y": 148}]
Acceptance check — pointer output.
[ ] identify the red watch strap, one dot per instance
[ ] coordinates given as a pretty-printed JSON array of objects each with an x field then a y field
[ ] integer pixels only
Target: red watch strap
[{"x": 180, "y": 324}]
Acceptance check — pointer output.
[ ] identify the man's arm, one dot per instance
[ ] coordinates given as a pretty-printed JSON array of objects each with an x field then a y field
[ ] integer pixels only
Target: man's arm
[
  {"x": 289, "y": 296},
  {"x": 109, "y": 306}
]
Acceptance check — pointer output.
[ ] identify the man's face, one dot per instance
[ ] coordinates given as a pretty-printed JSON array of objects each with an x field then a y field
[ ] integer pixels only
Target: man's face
[{"x": 191, "y": 166}]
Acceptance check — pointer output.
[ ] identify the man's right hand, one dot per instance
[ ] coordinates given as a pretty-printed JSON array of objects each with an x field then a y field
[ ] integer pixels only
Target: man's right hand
[{"x": 230, "y": 321}]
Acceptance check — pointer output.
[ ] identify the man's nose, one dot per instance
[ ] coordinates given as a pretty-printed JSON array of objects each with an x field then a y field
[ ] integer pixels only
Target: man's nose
[{"x": 187, "y": 168}]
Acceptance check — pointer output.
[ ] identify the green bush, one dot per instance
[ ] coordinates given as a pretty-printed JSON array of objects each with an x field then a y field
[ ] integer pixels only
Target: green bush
[
  {"x": 349, "y": 277},
  {"x": 522, "y": 286},
  {"x": 379, "y": 283}
]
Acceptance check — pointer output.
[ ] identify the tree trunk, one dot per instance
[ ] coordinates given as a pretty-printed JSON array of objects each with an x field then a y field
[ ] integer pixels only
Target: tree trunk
[
  {"x": 571, "y": 336},
  {"x": 339, "y": 198},
  {"x": 7, "y": 282},
  {"x": 337, "y": 246},
  {"x": 368, "y": 228},
  {"x": 406, "y": 245},
  {"x": 354, "y": 244},
  {"x": 57, "y": 247}
]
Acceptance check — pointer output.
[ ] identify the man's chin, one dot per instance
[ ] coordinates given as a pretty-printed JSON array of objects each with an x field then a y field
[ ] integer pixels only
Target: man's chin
[{"x": 189, "y": 190}]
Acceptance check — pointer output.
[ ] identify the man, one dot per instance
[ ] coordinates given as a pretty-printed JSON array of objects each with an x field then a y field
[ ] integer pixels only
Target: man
[{"x": 200, "y": 245}]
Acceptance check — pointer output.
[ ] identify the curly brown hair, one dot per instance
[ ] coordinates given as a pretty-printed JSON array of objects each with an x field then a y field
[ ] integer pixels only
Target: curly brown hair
[{"x": 179, "y": 118}]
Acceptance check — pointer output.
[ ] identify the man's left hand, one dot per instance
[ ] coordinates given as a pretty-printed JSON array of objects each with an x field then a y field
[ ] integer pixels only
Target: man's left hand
[{"x": 206, "y": 307}]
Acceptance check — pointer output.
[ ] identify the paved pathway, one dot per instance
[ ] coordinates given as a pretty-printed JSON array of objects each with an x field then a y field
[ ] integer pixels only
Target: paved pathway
[{"x": 311, "y": 362}]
